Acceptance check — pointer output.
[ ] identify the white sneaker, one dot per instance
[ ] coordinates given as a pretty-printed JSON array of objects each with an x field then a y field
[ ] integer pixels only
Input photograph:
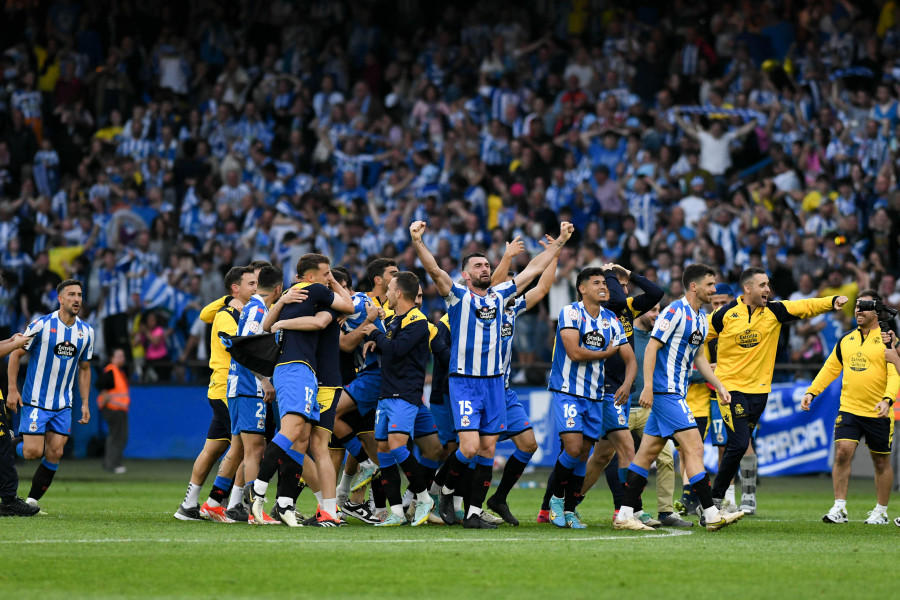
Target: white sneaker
[
  {"x": 33, "y": 502},
  {"x": 876, "y": 517},
  {"x": 836, "y": 515},
  {"x": 492, "y": 519},
  {"x": 120, "y": 470}
]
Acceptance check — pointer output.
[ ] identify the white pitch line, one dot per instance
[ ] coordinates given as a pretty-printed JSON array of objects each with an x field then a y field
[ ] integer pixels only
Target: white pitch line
[{"x": 667, "y": 534}]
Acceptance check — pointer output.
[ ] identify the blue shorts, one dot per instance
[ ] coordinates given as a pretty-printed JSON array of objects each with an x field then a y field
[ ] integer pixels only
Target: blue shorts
[
  {"x": 365, "y": 390},
  {"x": 478, "y": 404},
  {"x": 296, "y": 388},
  {"x": 395, "y": 415},
  {"x": 443, "y": 420},
  {"x": 38, "y": 421},
  {"x": 517, "y": 419},
  {"x": 248, "y": 415},
  {"x": 425, "y": 424},
  {"x": 577, "y": 415},
  {"x": 669, "y": 415},
  {"x": 615, "y": 418},
  {"x": 718, "y": 432}
]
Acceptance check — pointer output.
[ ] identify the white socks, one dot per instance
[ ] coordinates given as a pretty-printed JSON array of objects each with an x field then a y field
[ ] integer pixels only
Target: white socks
[
  {"x": 473, "y": 510},
  {"x": 329, "y": 505},
  {"x": 284, "y": 501},
  {"x": 397, "y": 509},
  {"x": 423, "y": 497},
  {"x": 236, "y": 497},
  {"x": 260, "y": 487},
  {"x": 729, "y": 494},
  {"x": 625, "y": 513},
  {"x": 192, "y": 497},
  {"x": 881, "y": 509},
  {"x": 840, "y": 504},
  {"x": 320, "y": 499},
  {"x": 212, "y": 503},
  {"x": 711, "y": 514},
  {"x": 407, "y": 498},
  {"x": 457, "y": 502},
  {"x": 343, "y": 488}
]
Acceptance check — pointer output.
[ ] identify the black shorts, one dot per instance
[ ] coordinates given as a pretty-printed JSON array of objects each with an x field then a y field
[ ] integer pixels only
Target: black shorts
[
  {"x": 879, "y": 433},
  {"x": 220, "y": 424},
  {"x": 702, "y": 426},
  {"x": 328, "y": 398},
  {"x": 747, "y": 406}
]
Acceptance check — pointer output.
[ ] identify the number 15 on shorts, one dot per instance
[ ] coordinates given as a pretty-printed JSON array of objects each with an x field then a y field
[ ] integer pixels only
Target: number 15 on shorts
[{"x": 465, "y": 407}]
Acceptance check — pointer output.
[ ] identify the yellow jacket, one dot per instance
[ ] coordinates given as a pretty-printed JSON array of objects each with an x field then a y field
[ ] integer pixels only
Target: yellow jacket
[
  {"x": 748, "y": 340},
  {"x": 868, "y": 377},
  {"x": 226, "y": 320}
]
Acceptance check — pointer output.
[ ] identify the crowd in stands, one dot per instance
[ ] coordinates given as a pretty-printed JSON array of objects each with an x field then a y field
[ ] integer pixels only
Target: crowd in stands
[{"x": 145, "y": 148}]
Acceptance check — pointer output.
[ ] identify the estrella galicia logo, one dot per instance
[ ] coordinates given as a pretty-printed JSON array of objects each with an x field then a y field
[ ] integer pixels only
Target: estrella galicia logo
[
  {"x": 506, "y": 330},
  {"x": 696, "y": 338},
  {"x": 748, "y": 338},
  {"x": 594, "y": 339},
  {"x": 486, "y": 313},
  {"x": 858, "y": 362},
  {"x": 65, "y": 350}
]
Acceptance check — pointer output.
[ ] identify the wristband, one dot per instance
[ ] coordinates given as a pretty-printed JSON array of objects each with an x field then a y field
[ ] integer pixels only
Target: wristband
[{"x": 890, "y": 401}]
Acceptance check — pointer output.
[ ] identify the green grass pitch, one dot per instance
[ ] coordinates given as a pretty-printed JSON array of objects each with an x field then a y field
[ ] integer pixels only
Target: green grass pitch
[{"x": 107, "y": 536}]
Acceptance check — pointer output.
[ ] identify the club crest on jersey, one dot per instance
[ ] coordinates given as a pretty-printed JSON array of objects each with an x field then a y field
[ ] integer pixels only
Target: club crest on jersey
[
  {"x": 81, "y": 334},
  {"x": 570, "y": 423},
  {"x": 605, "y": 323},
  {"x": 65, "y": 350},
  {"x": 254, "y": 326},
  {"x": 594, "y": 338},
  {"x": 664, "y": 324},
  {"x": 506, "y": 330},
  {"x": 696, "y": 339},
  {"x": 486, "y": 313},
  {"x": 465, "y": 422},
  {"x": 574, "y": 315}
]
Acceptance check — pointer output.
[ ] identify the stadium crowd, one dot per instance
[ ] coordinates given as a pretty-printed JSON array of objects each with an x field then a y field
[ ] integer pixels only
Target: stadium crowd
[{"x": 145, "y": 149}]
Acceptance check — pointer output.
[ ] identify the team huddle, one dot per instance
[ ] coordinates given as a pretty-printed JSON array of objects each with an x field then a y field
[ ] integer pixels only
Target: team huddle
[{"x": 323, "y": 387}]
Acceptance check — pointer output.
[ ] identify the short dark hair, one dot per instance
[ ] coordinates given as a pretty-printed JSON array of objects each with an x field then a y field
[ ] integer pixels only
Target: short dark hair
[
  {"x": 259, "y": 264},
  {"x": 342, "y": 276},
  {"x": 694, "y": 273},
  {"x": 234, "y": 276},
  {"x": 408, "y": 284},
  {"x": 870, "y": 293},
  {"x": 310, "y": 262},
  {"x": 749, "y": 274},
  {"x": 377, "y": 267},
  {"x": 68, "y": 282},
  {"x": 584, "y": 275},
  {"x": 468, "y": 257},
  {"x": 270, "y": 277}
]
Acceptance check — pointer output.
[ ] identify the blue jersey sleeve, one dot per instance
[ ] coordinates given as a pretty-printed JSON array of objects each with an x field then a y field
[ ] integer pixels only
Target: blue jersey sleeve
[
  {"x": 667, "y": 323},
  {"x": 520, "y": 305},
  {"x": 457, "y": 293},
  {"x": 88, "y": 352},
  {"x": 33, "y": 331},
  {"x": 618, "y": 333},
  {"x": 360, "y": 301}
]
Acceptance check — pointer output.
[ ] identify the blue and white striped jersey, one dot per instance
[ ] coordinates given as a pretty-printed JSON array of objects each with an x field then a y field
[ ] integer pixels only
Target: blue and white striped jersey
[
  {"x": 371, "y": 361},
  {"x": 507, "y": 331},
  {"x": 241, "y": 382},
  {"x": 55, "y": 353},
  {"x": 682, "y": 331},
  {"x": 583, "y": 379},
  {"x": 476, "y": 323}
]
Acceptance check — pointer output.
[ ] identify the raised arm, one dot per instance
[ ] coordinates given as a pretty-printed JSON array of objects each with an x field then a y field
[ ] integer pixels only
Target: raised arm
[
  {"x": 343, "y": 301},
  {"x": 14, "y": 343},
  {"x": 441, "y": 280},
  {"x": 688, "y": 129},
  {"x": 513, "y": 249},
  {"x": 746, "y": 128},
  {"x": 652, "y": 295},
  {"x": 540, "y": 262},
  {"x": 536, "y": 294}
]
